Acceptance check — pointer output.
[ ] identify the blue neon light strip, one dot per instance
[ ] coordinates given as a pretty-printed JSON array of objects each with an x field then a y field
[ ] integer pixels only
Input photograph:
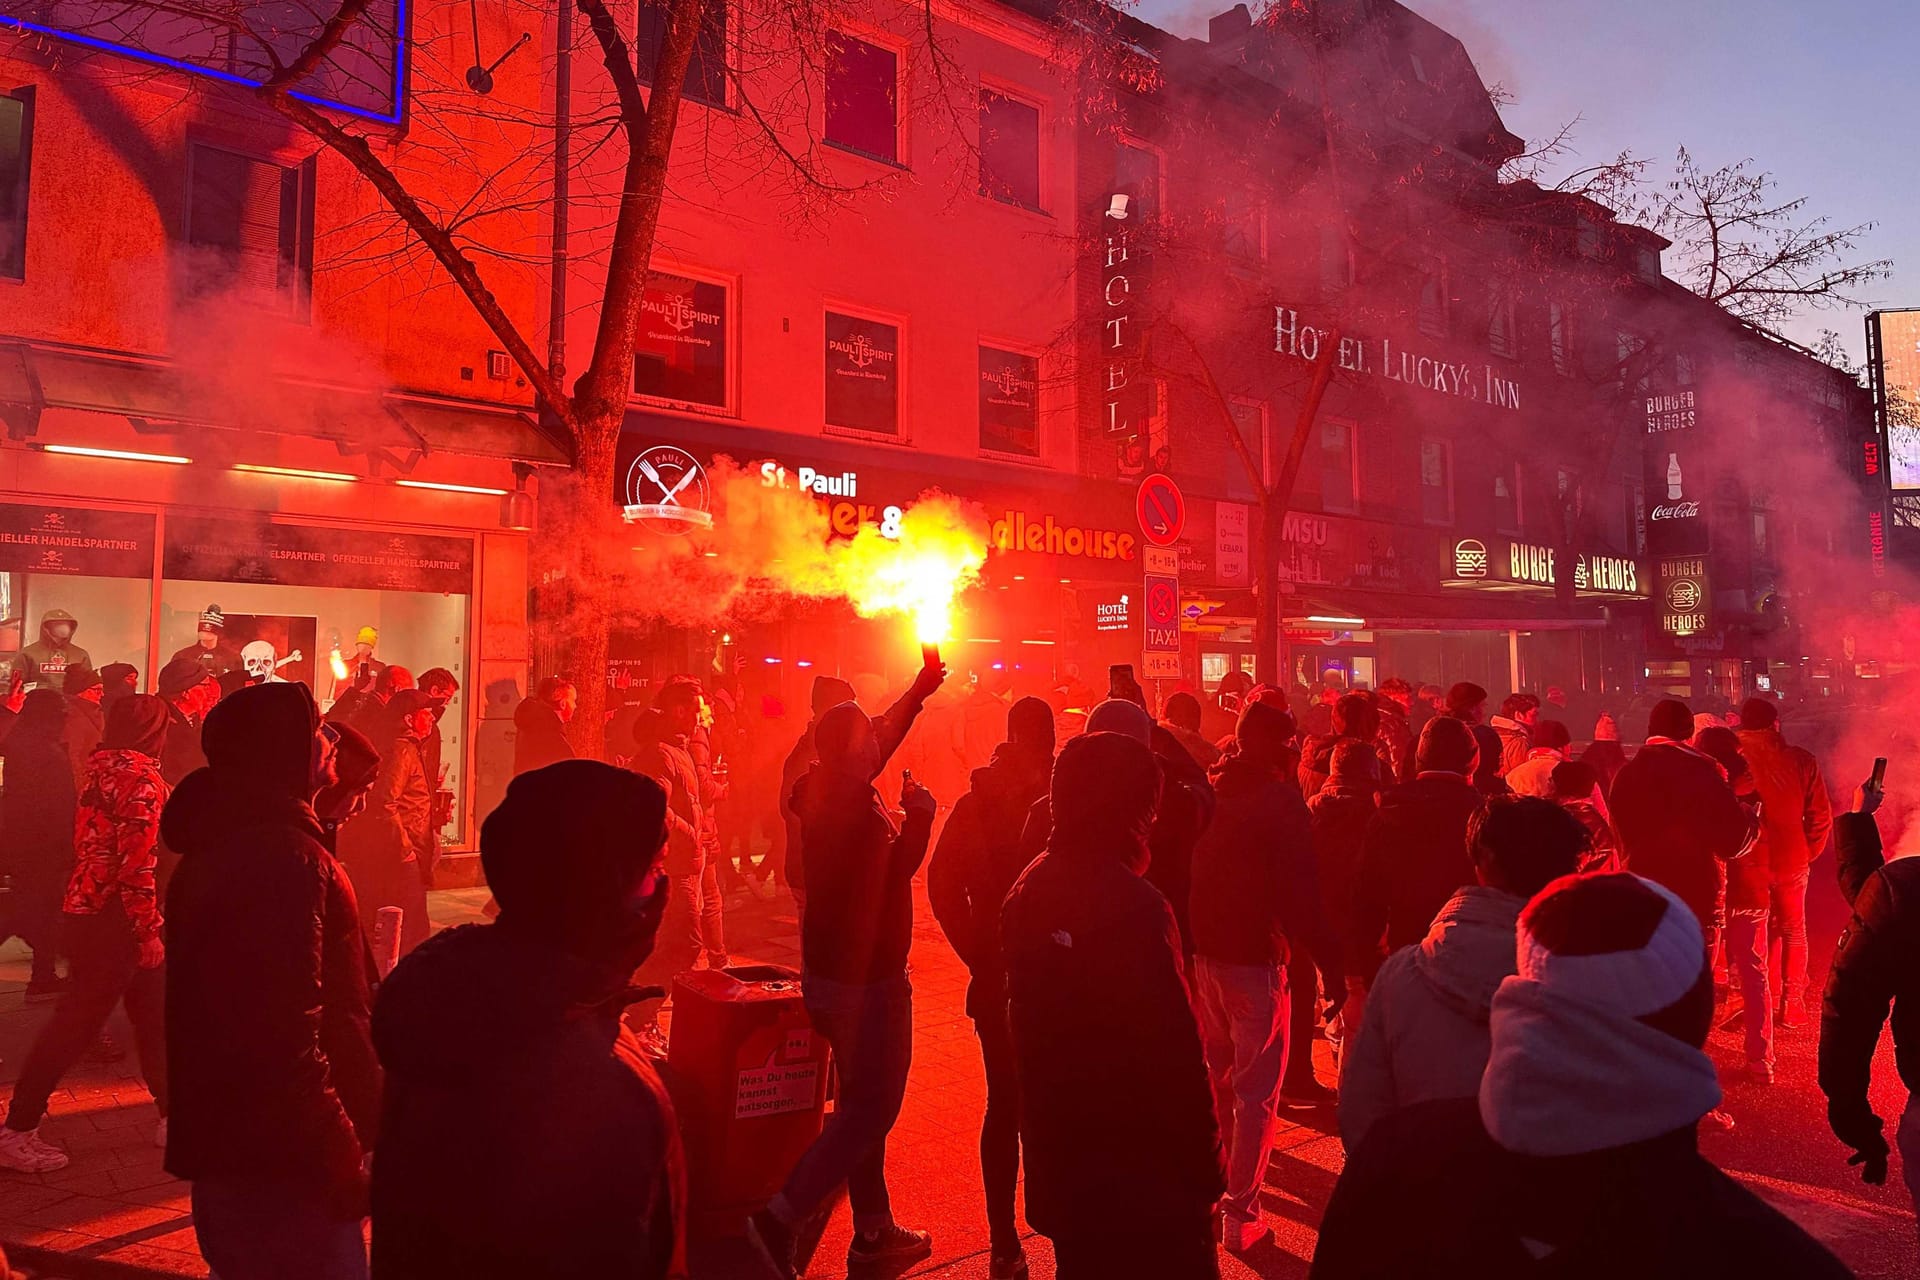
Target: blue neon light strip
[{"x": 228, "y": 77}]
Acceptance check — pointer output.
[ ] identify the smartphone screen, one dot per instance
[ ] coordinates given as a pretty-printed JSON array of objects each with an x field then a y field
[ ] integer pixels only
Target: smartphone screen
[{"x": 1880, "y": 773}]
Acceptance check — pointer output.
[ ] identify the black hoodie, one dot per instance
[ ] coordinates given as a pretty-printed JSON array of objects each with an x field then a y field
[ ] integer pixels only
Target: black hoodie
[
  {"x": 978, "y": 858},
  {"x": 1414, "y": 858},
  {"x": 524, "y": 1134}
]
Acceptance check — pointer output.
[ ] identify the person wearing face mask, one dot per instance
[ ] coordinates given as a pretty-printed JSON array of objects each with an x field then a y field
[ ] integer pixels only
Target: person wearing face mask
[
  {"x": 356, "y": 768},
  {"x": 574, "y": 856},
  {"x": 859, "y": 868},
  {"x": 383, "y": 847},
  {"x": 275, "y": 1087},
  {"x": 1118, "y": 1134}
]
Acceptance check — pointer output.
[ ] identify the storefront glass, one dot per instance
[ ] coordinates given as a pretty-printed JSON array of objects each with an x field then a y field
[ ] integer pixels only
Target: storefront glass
[{"x": 96, "y": 566}]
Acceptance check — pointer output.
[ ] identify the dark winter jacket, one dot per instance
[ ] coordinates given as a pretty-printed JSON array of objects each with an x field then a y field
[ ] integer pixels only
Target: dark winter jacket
[
  {"x": 1797, "y": 810},
  {"x": 1413, "y": 860},
  {"x": 85, "y": 724},
  {"x": 40, "y": 797},
  {"x": 383, "y": 846},
  {"x": 481, "y": 1022},
  {"x": 859, "y": 877},
  {"x": 273, "y": 1075},
  {"x": 1255, "y": 882},
  {"x": 181, "y": 754},
  {"x": 1607, "y": 757},
  {"x": 1428, "y": 1193},
  {"x": 1750, "y": 873},
  {"x": 539, "y": 737},
  {"x": 1876, "y": 964},
  {"x": 976, "y": 861},
  {"x": 1340, "y": 819},
  {"x": 1393, "y": 743},
  {"x": 1675, "y": 815},
  {"x": 1103, "y": 1027},
  {"x": 891, "y": 729},
  {"x": 1316, "y": 763},
  {"x": 665, "y": 757}
]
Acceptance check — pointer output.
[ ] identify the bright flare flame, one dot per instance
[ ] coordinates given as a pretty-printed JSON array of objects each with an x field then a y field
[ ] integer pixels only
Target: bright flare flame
[
  {"x": 337, "y": 663},
  {"x": 938, "y": 554}
]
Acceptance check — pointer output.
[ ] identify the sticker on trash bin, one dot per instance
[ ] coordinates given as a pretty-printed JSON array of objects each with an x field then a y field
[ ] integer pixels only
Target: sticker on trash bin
[
  {"x": 776, "y": 1089},
  {"x": 799, "y": 1043}
]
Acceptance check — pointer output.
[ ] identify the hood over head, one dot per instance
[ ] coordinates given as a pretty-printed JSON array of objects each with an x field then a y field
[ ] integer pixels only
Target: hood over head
[
  {"x": 1030, "y": 723},
  {"x": 844, "y": 739},
  {"x": 1354, "y": 766},
  {"x": 137, "y": 722},
  {"x": 1446, "y": 745},
  {"x": 1106, "y": 788},
  {"x": 1469, "y": 951},
  {"x": 1263, "y": 734},
  {"x": 261, "y": 737},
  {"x": 1670, "y": 718},
  {"x": 52, "y": 616},
  {"x": 828, "y": 691},
  {"x": 1122, "y": 716}
]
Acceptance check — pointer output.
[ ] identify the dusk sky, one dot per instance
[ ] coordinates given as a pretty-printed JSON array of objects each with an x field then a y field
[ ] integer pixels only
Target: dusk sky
[{"x": 1813, "y": 92}]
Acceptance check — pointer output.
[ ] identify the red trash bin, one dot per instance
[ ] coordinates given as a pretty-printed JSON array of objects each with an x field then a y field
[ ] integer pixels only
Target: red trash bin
[{"x": 749, "y": 1083}]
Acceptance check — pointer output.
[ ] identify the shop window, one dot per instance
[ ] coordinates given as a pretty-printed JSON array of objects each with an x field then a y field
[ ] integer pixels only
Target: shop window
[
  {"x": 1436, "y": 481},
  {"x": 1433, "y": 299},
  {"x": 252, "y": 222},
  {"x": 1136, "y": 175},
  {"x": 1337, "y": 469},
  {"x": 291, "y": 597},
  {"x": 863, "y": 97},
  {"x": 863, "y": 374},
  {"x": 1336, "y": 259},
  {"x": 706, "y": 79},
  {"x": 1560, "y": 336},
  {"x": 681, "y": 352},
  {"x": 1506, "y": 500},
  {"x": 94, "y": 568},
  {"x": 1009, "y": 402},
  {"x": 1009, "y": 150},
  {"x": 16, "y": 153},
  {"x": 1502, "y": 336},
  {"x": 1250, "y": 420}
]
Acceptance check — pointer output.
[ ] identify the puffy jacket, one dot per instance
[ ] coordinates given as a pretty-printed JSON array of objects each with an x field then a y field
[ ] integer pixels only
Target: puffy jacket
[
  {"x": 1424, "y": 1033},
  {"x": 480, "y": 1022},
  {"x": 1516, "y": 740},
  {"x": 539, "y": 737},
  {"x": 1255, "y": 882},
  {"x": 977, "y": 859},
  {"x": 117, "y": 840},
  {"x": 1103, "y": 1027},
  {"x": 667, "y": 758},
  {"x": 1875, "y": 965},
  {"x": 1316, "y": 763},
  {"x": 1413, "y": 861},
  {"x": 1794, "y": 800},
  {"x": 273, "y": 1075},
  {"x": 1675, "y": 817}
]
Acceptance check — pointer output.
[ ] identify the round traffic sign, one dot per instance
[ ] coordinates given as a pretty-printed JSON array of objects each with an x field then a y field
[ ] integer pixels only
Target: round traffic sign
[
  {"x": 1162, "y": 511},
  {"x": 1163, "y": 603}
]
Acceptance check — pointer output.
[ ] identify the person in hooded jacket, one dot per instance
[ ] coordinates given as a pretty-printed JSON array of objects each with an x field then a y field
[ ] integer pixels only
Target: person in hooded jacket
[
  {"x": 540, "y": 725},
  {"x": 1605, "y": 753},
  {"x": 573, "y": 856},
  {"x": 1748, "y": 903},
  {"x": 86, "y": 722},
  {"x": 275, "y": 1090},
  {"x": 382, "y": 848},
  {"x": 1798, "y": 814},
  {"x": 46, "y": 662},
  {"x": 36, "y": 831},
  {"x": 662, "y": 751},
  {"x": 1424, "y": 1034},
  {"x": 854, "y": 938},
  {"x": 1256, "y": 895},
  {"x": 1121, "y": 1145},
  {"x": 974, "y": 864},
  {"x": 1340, "y": 814},
  {"x": 190, "y": 693},
  {"x": 1355, "y": 719},
  {"x": 111, "y": 927},
  {"x": 1675, "y": 815},
  {"x": 1579, "y": 1155},
  {"x": 827, "y": 692},
  {"x": 1415, "y": 854},
  {"x": 118, "y": 680}
]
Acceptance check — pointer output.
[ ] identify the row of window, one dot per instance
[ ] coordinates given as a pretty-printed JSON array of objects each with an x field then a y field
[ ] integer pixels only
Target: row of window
[{"x": 683, "y": 357}]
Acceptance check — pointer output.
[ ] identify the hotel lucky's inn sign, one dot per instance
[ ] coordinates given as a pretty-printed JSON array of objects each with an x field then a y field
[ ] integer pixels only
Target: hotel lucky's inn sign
[
  {"x": 1506, "y": 561},
  {"x": 1384, "y": 358}
]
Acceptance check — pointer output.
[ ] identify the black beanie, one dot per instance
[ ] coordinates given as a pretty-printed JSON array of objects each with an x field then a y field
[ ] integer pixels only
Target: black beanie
[
  {"x": 1263, "y": 732},
  {"x": 1030, "y": 723},
  {"x": 1758, "y": 713},
  {"x": 1670, "y": 718},
  {"x": 262, "y": 735},
  {"x": 1446, "y": 746},
  {"x": 569, "y": 843}
]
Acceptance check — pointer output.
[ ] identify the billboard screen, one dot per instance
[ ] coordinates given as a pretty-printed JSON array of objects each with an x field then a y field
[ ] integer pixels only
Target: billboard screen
[
  {"x": 243, "y": 42},
  {"x": 1896, "y": 377}
]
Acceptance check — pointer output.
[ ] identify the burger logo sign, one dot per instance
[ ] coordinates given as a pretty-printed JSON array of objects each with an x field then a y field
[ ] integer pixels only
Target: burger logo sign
[{"x": 1470, "y": 558}]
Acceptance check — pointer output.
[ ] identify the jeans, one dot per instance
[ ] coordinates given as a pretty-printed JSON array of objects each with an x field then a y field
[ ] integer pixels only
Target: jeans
[
  {"x": 104, "y": 961},
  {"x": 871, "y": 1031},
  {"x": 1303, "y": 992},
  {"x": 250, "y": 1230},
  {"x": 1163, "y": 1252},
  {"x": 1000, "y": 1129},
  {"x": 1790, "y": 927},
  {"x": 711, "y": 927},
  {"x": 1244, "y": 1025},
  {"x": 1746, "y": 938}
]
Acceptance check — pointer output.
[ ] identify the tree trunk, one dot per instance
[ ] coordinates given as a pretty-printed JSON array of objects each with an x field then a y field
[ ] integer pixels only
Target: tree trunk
[
  {"x": 577, "y": 552},
  {"x": 1273, "y": 513}
]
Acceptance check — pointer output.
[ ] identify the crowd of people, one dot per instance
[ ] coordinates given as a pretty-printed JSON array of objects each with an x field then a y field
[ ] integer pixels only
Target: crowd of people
[{"x": 1511, "y": 943}]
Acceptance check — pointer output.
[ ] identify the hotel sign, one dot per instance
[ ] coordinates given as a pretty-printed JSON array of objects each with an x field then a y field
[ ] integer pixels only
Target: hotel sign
[
  {"x": 1383, "y": 358},
  {"x": 1474, "y": 561}
]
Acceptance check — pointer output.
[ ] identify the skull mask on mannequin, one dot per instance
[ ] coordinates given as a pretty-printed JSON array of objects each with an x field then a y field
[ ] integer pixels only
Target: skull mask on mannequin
[{"x": 260, "y": 661}]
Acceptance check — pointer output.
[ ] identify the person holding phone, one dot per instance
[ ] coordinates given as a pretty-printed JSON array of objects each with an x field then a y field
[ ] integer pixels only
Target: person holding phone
[{"x": 1875, "y": 966}]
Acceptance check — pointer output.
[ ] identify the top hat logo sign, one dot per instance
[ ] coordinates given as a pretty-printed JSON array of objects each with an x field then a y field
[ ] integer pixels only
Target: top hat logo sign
[
  {"x": 1470, "y": 558},
  {"x": 667, "y": 488}
]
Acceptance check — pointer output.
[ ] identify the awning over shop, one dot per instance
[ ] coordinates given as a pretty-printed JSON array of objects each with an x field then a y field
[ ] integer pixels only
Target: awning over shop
[
  {"x": 1466, "y": 610},
  {"x": 159, "y": 398}
]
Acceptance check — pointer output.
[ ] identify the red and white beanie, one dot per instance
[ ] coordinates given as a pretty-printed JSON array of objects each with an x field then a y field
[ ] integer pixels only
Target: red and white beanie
[{"x": 1596, "y": 1037}]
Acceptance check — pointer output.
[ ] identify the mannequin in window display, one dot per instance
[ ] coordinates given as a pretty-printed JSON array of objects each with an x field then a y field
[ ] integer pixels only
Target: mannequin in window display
[
  {"x": 362, "y": 667},
  {"x": 45, "y": 663},
  {"x": 209, "y": 647}
]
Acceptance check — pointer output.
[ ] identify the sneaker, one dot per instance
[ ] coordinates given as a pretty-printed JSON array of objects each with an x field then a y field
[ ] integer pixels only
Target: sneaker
[
  {"x": 772, "y": 1239},
  {"x": 1242, "y": 1234},
  {"x": 160, "y": 1134},
  {"x": 1308, "y": 1093},
  {"x": 1008, "y": 1266},
  {"x": 1717, "y": 1120},
  {"x": 41, "y": 990},
  {"x": 28, "y": 1154},
  {"x": 1757, "y": 1073},
  {"x": 1793, "y": 1013},
  {"x": 892, "y": 1250}
]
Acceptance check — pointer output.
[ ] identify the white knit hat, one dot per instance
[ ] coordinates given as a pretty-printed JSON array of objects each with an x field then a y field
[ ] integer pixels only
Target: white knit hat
[{"x": 1633, "y": 948}]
